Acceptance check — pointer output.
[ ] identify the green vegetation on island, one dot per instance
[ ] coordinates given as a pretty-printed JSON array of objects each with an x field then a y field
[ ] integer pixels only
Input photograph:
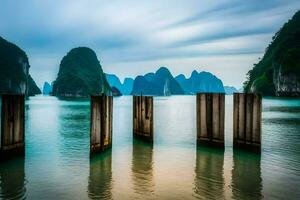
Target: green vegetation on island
[
  {"x": 80, "y": 75},
  {"x": 278, "y": 72},
  {"x": 14, "y": 71}
]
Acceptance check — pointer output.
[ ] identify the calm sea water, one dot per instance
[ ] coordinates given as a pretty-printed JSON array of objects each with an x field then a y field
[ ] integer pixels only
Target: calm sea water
[{"x": 57, "y": 163}]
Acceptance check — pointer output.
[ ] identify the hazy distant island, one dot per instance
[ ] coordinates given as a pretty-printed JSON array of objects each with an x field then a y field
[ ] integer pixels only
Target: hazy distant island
[
  {"x": 200, "y": 82},
  {"x": 14, "y": 71},
  {"x": 278, "y": 72},
  {"x": 47, "y": 89},
  {"x": 230, "y": 90},
  {"x": 125, "y": 88},
  {"x": 80, "y": 75},
  {"x": 160, "y": 83}
]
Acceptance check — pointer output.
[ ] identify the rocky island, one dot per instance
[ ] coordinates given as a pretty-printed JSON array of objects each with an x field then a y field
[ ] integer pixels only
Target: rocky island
[
  {"x": 278, "y": 72},
  {"x": 80, "y": 75},
  {"x": 14, "y": 71}
]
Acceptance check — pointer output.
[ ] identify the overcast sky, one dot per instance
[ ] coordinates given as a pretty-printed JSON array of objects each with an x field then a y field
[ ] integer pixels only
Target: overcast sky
[{"x": 133, "y": 37}]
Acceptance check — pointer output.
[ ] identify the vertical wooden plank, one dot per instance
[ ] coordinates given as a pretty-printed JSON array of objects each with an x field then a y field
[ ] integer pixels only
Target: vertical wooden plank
[
  {"x": 133, "y": 113},
  {"x": 222, "y": 116},
  {"x": 235, "y": 116},
  {"x": 111, "y": 118},
  {"x": 147, "y": 117},
  {"x": 143, "y": 99},
  {"x": 151, "y": 118},
  {"x": 215, "y": 116},
  {"x": 209, "y": 115},
  {"x": 249, "y": 116},
  {"x": 17, "y": 120},
  {"x": 203, "y": 116},
  {"x": 241, "y": 122},
  {"x": 257, "y": 118},
  {"x": 198, "y": 112},
  {"x": 97, "y": 121},
  {"x": 139, "y": 113}
]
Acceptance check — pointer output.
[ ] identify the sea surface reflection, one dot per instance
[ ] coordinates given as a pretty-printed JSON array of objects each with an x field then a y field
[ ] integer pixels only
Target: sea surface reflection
[{"x": 57, "y": 163}]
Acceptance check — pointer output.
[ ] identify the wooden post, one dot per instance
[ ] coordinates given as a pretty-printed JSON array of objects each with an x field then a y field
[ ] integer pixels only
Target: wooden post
[
  {"x": 247, "y": 110},
  {"x": 143, "y": 118},
  {"x": 210, "y": 119},
  {"x": 101, "y": 123},
  {"x": 12, "y": 126}
]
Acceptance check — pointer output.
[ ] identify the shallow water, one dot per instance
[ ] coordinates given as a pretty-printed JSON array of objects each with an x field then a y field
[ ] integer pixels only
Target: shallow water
[{"x": 57, "y": 163}]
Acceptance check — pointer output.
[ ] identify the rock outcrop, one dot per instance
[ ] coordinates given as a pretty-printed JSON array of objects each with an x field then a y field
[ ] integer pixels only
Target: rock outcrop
[
  {"x": 278, "y": 72},
  {"x": 14, "y": 71},
  {"x": 80, "y": 75}
]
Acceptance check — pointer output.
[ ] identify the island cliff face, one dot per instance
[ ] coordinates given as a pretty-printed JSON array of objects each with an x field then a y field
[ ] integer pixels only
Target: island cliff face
[
  {"x": 14, "y": 71},
  {"x": 161, "y": 83},
  {"x": 80, "y": 75},
  {"x": 278, "y": 72}
]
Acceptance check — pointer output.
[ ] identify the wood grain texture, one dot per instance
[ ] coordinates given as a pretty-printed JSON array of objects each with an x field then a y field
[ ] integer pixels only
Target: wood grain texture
[
  {"x": 210, "y": 119},
  {"x": 101, "y": 123},
  {"x": 12, "y": 126},
  {"x": 143, "y": 118}
]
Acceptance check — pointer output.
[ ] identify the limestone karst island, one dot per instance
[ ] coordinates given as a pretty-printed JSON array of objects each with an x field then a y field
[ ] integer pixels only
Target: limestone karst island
[{"x": 150, "y": 99}]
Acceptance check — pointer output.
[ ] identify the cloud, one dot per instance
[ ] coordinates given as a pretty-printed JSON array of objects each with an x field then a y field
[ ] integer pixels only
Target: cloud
[{"x": 143, "y": 35}]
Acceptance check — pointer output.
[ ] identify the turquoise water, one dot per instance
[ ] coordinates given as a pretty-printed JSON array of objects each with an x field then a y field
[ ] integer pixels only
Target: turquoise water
[{"x": 57, "y": 163}]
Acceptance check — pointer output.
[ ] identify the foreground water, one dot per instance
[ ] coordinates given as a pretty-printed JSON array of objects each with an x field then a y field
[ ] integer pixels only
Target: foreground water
[{"x": 57, "y": 163}]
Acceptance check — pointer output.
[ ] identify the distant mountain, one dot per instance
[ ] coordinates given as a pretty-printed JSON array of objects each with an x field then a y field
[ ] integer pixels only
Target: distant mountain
[
  {"x": 278, "y": 72},
  {"x": 47, "y": 89},
  {"x": 14, "y": 71},
  {"x": 80, "y": 75},
  {"x": 127, "y": 86},
  {"x": 200, "y": 82},
  {"x": 124, "y": 88},
  {"x": 229, "y": 90},
  {"x": 160, "y": 83}
]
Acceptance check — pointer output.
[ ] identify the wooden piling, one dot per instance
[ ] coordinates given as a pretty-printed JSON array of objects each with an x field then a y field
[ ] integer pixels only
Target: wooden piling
[
  {"x": 210, "y": 119},
  {"x": 247, "y": 110},
  {"x": 12, "y": 126},
  {"x": 143, "y": 118},
  {"x": 101, "y": 123}
]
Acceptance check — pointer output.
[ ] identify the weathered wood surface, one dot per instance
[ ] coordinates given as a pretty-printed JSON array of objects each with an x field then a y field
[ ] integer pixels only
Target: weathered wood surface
[
  {"x": 143, "y": 118},
  {"x": 12, "y": 126},
  {"x": 101, "y": 123},
  {"x": 210, "y": 119},
  {"x": 247, "y": 111}
]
